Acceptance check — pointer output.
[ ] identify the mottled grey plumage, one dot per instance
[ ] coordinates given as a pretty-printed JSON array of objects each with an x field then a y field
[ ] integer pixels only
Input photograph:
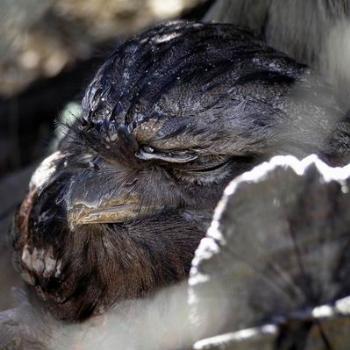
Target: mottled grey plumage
[
  {"x": 171, "y": 116},
  {"x": 314, "y": 32}
]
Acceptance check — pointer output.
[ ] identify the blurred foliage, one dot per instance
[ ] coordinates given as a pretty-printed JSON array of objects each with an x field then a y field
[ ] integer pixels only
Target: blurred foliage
[{"x": 42, "y": 37}]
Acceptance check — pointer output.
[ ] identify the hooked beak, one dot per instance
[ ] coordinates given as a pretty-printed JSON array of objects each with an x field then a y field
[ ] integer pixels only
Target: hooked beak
[
  {"x": 82, "y": 215},
  {"x": 109, "y": 212}
]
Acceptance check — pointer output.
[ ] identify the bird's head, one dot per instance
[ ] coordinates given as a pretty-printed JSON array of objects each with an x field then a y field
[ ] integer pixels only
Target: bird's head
[{"x": 169, "y": 119}]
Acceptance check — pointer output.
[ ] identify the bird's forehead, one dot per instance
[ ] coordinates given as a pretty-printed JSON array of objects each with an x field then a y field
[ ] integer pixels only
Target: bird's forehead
[
  {"x": 168, "y": 63},
  {"x": 190, "y": 86}
]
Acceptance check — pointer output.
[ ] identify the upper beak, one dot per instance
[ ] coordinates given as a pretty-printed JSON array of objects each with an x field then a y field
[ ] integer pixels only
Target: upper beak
[
  {"x": 92, "y": 197},
  {"x": 108, "y": 212},
  {"x": 101, "y": 207},
  {"x": 113, "y": 214}
]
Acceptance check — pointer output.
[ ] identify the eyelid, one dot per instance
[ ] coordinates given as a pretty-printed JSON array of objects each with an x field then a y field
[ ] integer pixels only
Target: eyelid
[
  {"x": 203, "y": 175},
  {"x": 178, "y": 157},
  {"x": 207, "y": 163},
  {"x": 207, "y": 168}
]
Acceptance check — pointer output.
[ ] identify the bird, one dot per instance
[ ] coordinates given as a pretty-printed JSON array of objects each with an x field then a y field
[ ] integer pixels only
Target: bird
[{"x": 172, "y": 115}]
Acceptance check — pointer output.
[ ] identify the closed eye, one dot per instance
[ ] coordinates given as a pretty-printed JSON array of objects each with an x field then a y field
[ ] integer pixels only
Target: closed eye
[
  {"x": 177, "y": 157},
  {"x": 209, "y": 168},
  {"x": 212, "y": 169},
  {"x": 206, "y": 163},
  {"x": 203, "y": 170}
]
